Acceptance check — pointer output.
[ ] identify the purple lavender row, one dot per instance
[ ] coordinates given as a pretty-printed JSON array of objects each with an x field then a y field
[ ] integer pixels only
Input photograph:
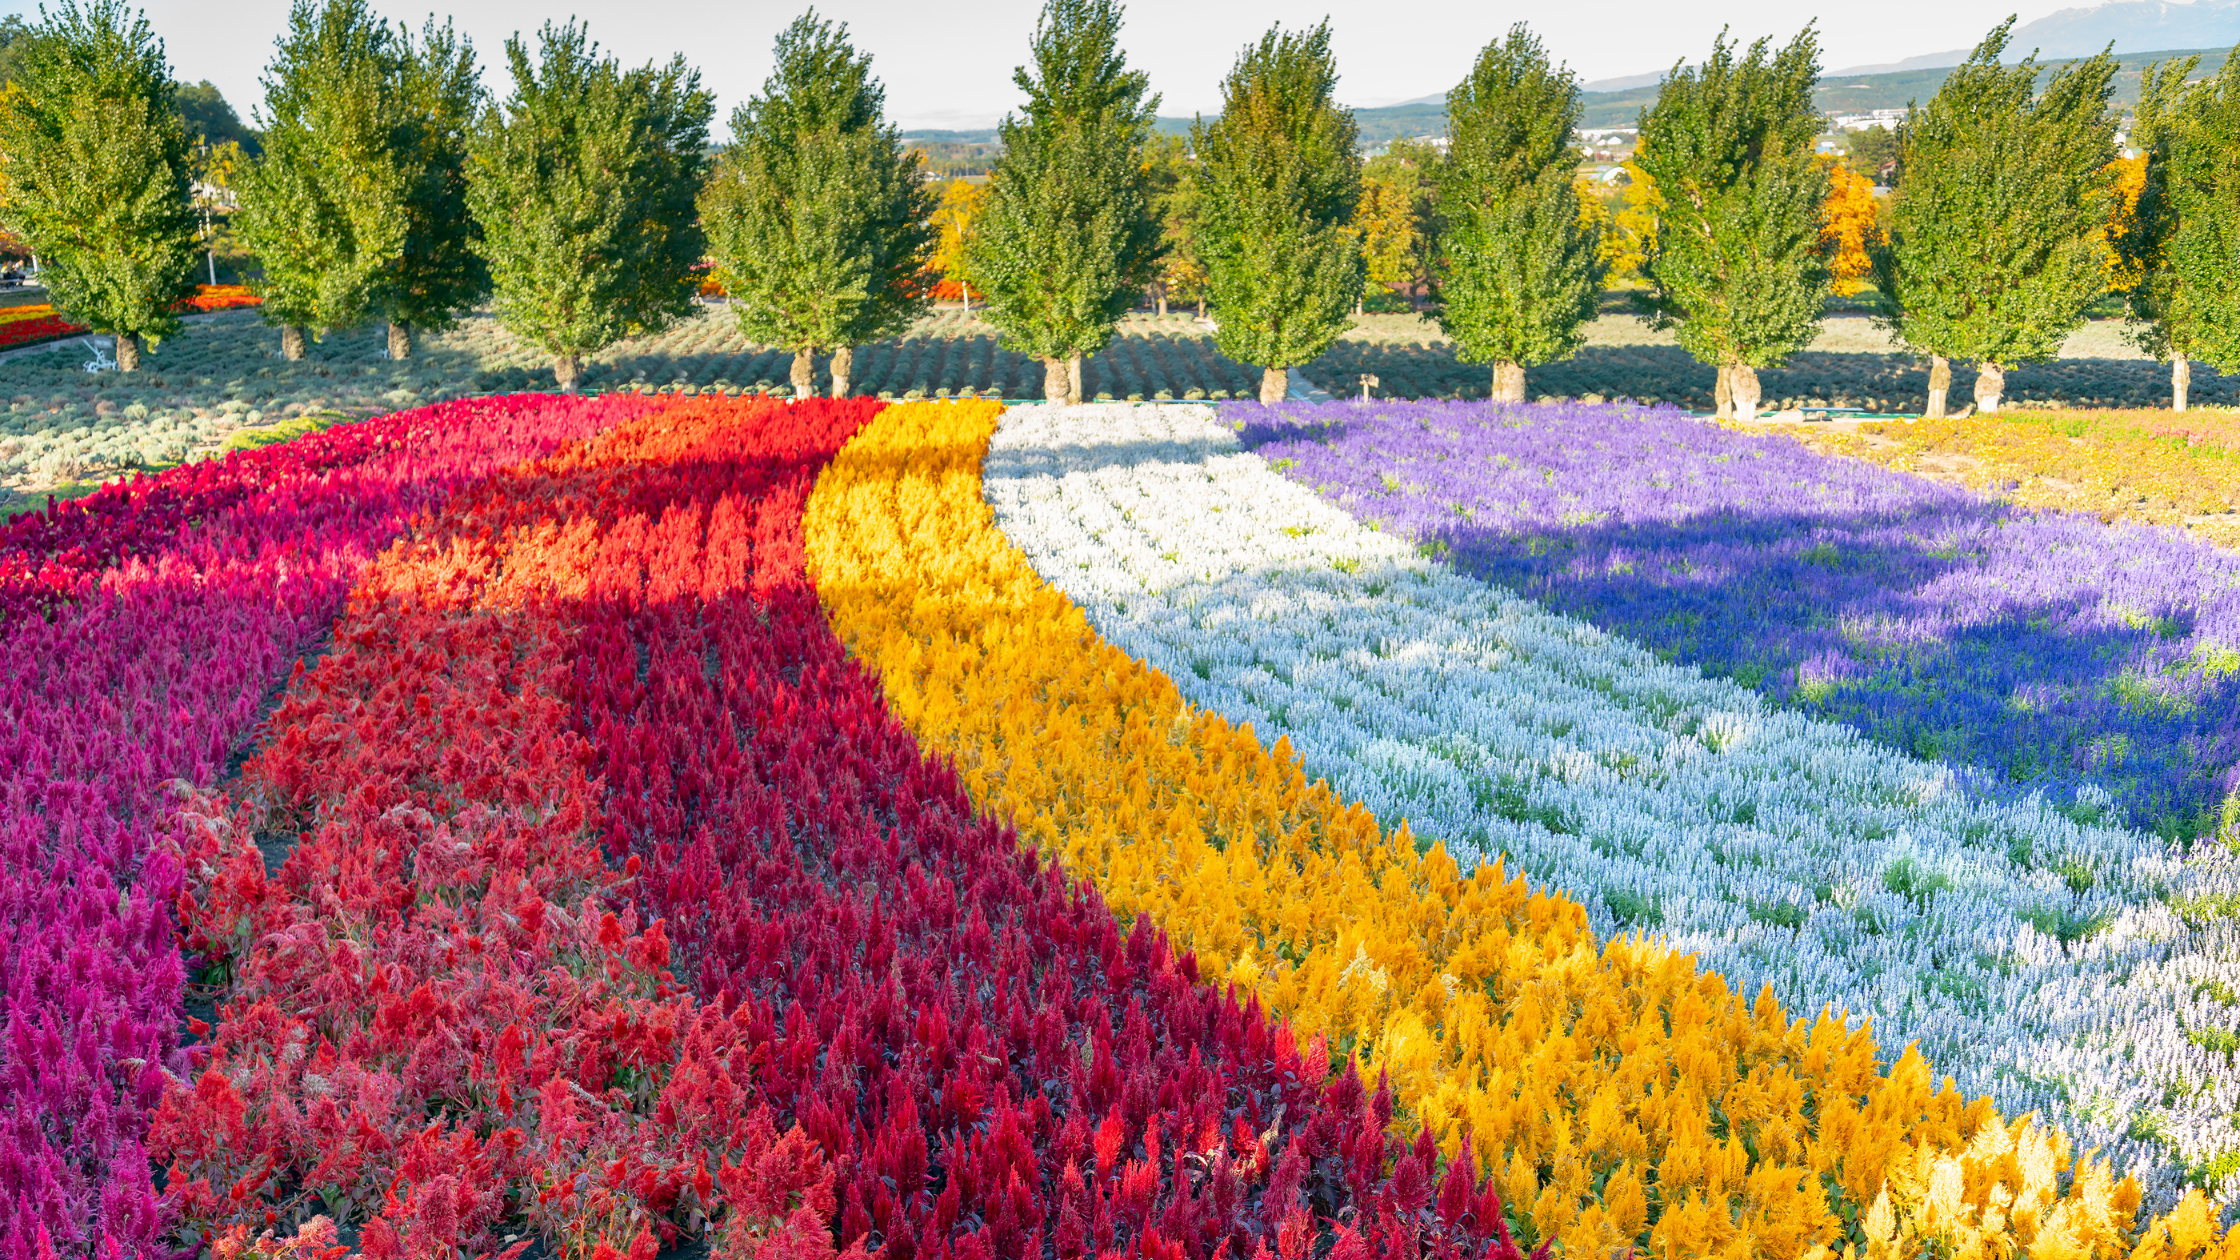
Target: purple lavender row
[
  {"x": 108, "y": 707},
  {"x": 2046, "y": 648}
]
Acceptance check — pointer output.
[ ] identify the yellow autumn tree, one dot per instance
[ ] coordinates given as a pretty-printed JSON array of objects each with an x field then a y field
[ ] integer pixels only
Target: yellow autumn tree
[
  {"x": 1849, "y": 225},
  {"x": 1631, "y": 215},
  {"x": 1386, "y": 220},
  {"x": 2124, "y": 273},
  {"x": 953, "y": 219}
]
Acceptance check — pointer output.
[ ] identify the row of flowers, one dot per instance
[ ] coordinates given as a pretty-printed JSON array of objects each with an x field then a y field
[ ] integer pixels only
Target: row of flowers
[
  {"x": 2021, "y": 951},
  {"x": 864, "y": 1018},
  {"x": 2049, "y": 647},
  {"x": 35, "y": 322},
  {"x": 2156, "y": 468},
  {"x": 152, "y": 675},
  {"x": 447, "y": 1025},
  {"x": 1616, "y": 1094}
]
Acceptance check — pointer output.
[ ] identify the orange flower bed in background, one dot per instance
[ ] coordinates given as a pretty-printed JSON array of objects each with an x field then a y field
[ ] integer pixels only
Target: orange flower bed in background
[{"x": 29, "y": 325}]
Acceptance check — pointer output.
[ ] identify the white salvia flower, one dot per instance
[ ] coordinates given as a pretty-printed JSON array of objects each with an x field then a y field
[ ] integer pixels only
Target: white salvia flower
[{"x": 2034, "y": 958}]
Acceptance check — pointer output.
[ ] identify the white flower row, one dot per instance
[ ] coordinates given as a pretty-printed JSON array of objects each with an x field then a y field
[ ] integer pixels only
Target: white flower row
[{"x": 2035, "y": 957}]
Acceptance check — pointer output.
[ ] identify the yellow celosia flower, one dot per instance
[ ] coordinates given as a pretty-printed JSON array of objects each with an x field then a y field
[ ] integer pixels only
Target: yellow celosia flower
[{"x": 1618, "y": 1096}]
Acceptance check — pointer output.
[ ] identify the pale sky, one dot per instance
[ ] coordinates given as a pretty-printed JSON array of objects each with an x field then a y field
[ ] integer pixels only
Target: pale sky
[{"x": 949, "y": 65}]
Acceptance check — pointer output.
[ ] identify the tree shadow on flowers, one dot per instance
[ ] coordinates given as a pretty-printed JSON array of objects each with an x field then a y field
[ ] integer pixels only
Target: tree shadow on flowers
[{"x": 2050, "y": 649}]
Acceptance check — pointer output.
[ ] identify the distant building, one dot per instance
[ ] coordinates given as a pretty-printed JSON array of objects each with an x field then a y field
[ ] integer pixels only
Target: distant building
[{"x": 1887, "y": 119}]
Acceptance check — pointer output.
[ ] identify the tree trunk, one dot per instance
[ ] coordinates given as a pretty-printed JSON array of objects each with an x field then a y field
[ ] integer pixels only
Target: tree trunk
[
  {"x": 1162, "y": 300},
  {"x": 965, "y": 289},
  {"x": 212, "y": 259},
  {"x": 567, "y": 369},
  {"x": 1742, "y": 385},
  {"x": 291, "y": 343},
  {"x": 1275, "y": 384},
  {"x": 1940, "y": 385},
  {"x": 1077, "y": 380},
  {"x": 843, "y": 362},
  {"x": 2181, "y": 378},
  {"x": 1991, "y": 381},
  {"x": 804, "y": 371},
  {"x": 1508, "y": 382},
  {"x": 128, "y": 352},
  {"x": 1054, "y": 382},
  {"x": 1722, "y": 395},
  {"x": 1201, "y": 308},
  {"x": 400, "y": 340}
]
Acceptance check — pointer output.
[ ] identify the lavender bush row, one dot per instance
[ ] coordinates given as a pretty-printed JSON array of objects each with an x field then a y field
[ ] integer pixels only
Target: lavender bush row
[
  {"x": 2045, "y": 960},
  {"x": 151, "y": 679},
  {"x": 2049, "y": 648}
]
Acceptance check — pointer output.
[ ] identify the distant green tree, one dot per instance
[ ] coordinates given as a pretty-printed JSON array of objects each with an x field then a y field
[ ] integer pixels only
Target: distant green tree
[
  {"x": 584, "y": 180},
  {"x": 436, "y": 274},
  {"x": 1281, "y": 169},
  {"x": 819, "y": 221},
  {"x": 1180, "y": 273},
  {"x": 1070, "y": 235},
  {"x": 210, "y": 120},
  {"x": 1873, "y": 152},
  {"x": 325, "y": 207},
  {"x": 1733, "y": 268},
  {"x": 1519, "y": 270},
  {"x": 2184, "y": 238},
  {"x": 96, "y": 159},
  {"x": 12, "y": 30},
  {"x": 1995, "y": 242}
]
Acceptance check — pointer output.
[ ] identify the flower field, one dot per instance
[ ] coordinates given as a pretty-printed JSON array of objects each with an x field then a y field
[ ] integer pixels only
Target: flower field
[
  {"x": 925, "y": 829},
  {"x": 2153, "y": 467}
]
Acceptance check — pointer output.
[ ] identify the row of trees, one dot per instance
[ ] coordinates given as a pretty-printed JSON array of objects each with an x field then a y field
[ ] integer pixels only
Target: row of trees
[
  {"x": 581, "y": 204},
  {"x": 388, "y": 186}
]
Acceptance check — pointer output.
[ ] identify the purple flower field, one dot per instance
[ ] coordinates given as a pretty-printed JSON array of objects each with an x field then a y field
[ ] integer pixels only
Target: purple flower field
[{"x": 2051, "y": 649}]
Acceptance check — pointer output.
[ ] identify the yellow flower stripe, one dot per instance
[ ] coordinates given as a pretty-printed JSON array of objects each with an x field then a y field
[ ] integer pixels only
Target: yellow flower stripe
[
  {"x": 1618, "y": 1095},
  {"x": 2116, "y": 466}
]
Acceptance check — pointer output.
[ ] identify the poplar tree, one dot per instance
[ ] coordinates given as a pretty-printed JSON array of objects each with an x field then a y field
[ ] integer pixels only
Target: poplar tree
[
  {"x": 818, "y": 221},
  {"x": 1734, "y": 269},
  {"x": 96, "y": 158},
  {"x": 1281, "y": 172},
  {"x": 1994, "y": 247},
  {"x": 324, "y": 208},
  {"x": 437, "y": 274},
  {"x": 1518, "y": 270},
  {"x": 2185, "y": 237},
  {"x": 584, "y": 180},
  {"x": 1070, "y": 233}
]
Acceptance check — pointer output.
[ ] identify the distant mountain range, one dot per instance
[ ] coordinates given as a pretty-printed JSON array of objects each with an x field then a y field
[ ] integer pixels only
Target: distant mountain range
[
  {"x": 2133, "y": 26},
  {"x": 2144, "y": 31}
]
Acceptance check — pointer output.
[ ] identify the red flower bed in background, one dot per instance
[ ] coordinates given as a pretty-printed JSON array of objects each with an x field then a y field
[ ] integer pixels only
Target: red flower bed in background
[
  {"x": 36, "y": 328},
  {"x": 28, "y": 325}
]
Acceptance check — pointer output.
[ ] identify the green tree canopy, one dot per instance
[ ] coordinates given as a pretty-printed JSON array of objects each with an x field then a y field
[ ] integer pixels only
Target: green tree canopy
[
  {"x": 1070, "y": 233},
  {"x": 211, "y": 121},
  {"x": 1281, "y": 170},
  {"x": 1733, "y": 267},
  {"x": 436, "y": 274},
  {"x": 1995, "y": 246},
  {"x": 2184, "y": 238},
  {"x": 817, "y": 218},
  {"x": 1519, "y": 271},
  {"x": 96, "y": 158},
  {"x": 324, "y": 208},
  {"x": 584, "y": 180}
]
